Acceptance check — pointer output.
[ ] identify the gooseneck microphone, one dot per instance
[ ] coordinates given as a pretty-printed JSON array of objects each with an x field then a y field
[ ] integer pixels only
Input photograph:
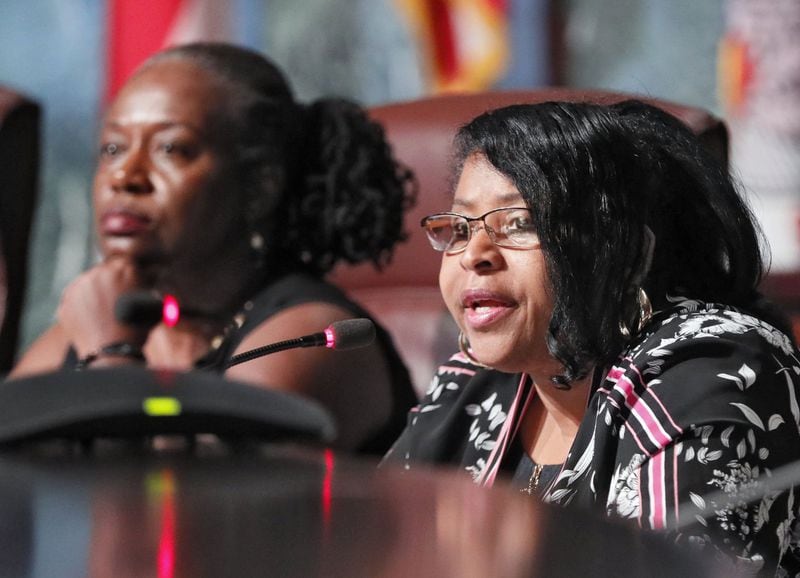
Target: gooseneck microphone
[
  {"x": 145, "y": 309},
  {"x": 339, "y": 335}
]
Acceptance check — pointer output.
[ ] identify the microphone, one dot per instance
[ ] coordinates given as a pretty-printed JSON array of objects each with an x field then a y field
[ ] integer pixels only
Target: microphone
[
  {"x": 142, "y": 308},
  {"x": 339, "y": 335},
  {"x": 146, "y": 309}
]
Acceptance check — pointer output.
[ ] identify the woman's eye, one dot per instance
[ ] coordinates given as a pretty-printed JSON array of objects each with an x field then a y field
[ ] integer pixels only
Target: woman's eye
[
  {"x": 461, "y": 229},
  {"x": 175, "y": 148},
  {"x": 170, "y": 148},
  {"x": 519, "y": 224},
  {"x": 109, "y": 149}
]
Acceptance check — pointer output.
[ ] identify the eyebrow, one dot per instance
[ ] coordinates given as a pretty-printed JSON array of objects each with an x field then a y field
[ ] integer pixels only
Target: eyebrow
[
  {"x": 504, "y": 198},
  {"x": 159, "y": 125}
]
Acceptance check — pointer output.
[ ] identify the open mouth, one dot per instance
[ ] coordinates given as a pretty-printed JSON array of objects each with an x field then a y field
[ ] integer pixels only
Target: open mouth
[
  {"x": 482, "y": 309},
  {"x": 484, "y": 305}
]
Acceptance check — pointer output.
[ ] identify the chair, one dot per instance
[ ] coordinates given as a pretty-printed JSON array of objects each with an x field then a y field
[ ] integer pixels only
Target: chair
[
  {"x": 405, "y": 296},
  {"x": 19, "y": 165}
]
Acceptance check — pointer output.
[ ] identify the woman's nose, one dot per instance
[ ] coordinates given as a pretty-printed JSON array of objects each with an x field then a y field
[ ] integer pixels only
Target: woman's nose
[
  {"x": 480, "y": 253},
  {"x": 131, "y": 175}
]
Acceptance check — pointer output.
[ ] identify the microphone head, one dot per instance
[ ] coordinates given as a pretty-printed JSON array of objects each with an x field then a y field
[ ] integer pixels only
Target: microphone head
[
  {"x": 140, "y": 308},
  {"x": 350, "y": 334}
]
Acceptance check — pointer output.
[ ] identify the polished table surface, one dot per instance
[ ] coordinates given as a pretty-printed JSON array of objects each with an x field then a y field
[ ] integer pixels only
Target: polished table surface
[
  {"x": 284, "y": 510},
  {"x": 134, "y": 472}
]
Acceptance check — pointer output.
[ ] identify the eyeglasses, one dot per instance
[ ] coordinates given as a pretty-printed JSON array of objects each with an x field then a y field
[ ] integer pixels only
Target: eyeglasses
[{"x": 509, "y": 227}]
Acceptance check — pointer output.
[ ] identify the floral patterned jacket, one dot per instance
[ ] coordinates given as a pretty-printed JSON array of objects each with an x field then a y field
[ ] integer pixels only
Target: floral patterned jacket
[{"x": 694, "y": 430}]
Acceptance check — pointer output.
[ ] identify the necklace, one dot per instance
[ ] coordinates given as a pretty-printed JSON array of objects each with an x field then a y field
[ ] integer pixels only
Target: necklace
[
  {"x": 533, "y": 481},
  {"x": 211, "y": 357},
  {"x": 234, "y": 324}
]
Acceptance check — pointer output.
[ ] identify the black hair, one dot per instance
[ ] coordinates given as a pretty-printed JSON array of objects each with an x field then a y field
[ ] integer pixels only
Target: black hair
[
  {"x": 320, "y": 182},
  {"x": 594, "y": 177}
]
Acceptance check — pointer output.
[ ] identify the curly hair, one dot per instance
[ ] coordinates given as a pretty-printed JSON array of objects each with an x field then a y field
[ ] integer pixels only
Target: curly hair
[
  {"x": 320, "y": 181},
  {"x": 595, "y": 176}
]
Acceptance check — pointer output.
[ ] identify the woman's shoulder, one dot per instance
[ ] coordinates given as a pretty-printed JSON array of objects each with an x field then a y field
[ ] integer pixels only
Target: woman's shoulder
[
  {"x": 297, "y": 287},
  {"x": 290, "y": 291},
  {"x": 701, "y": 361},
  {"x": 692, "y": 323}
]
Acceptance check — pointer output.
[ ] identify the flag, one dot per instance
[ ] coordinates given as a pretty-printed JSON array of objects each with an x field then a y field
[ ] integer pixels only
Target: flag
[
  {"x": 735, "y": 73},
  {"x": 139, "y": 28},
  {"x": 464, "y": 42}
]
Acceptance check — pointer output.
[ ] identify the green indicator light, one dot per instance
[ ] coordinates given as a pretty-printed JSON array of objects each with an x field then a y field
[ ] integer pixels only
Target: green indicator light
[{"x": 161, "y": 406}]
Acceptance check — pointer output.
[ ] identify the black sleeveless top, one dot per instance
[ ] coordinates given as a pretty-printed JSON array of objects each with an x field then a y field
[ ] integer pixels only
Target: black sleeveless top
[
  {"x": 520, "y": 467},
  {"x": 298, "y": 288}
]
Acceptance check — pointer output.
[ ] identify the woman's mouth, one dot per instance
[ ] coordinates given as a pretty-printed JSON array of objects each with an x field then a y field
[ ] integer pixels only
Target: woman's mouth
[
  {"x": 483, "y": 308},
  {"x": 123, "y": 223}
]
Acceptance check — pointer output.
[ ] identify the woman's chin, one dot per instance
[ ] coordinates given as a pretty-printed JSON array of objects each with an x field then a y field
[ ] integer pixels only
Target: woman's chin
[
  {"x": 492, "y": 357},
  {"x": 502, "y": 356},
  {"x": 124, "y": 247}
]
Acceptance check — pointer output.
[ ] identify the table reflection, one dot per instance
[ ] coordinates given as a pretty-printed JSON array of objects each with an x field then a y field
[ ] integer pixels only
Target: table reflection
[{"x": 285, "y": 511}]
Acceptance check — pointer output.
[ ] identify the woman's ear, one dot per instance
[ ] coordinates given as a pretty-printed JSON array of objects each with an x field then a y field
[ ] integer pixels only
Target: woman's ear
[{"x": 648, "y": 247}]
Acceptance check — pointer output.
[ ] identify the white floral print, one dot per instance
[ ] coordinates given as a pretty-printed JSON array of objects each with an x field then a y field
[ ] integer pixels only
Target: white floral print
[{"x": 685, "y": 434}]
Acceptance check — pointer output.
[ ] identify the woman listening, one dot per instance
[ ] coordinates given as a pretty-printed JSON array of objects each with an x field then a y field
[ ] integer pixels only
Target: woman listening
[
  {"x": 216, "y": 186},
  {"x": 615, "y": 352}
]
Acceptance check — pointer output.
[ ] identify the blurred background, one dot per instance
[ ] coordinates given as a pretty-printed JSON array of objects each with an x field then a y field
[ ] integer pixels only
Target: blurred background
[{"x": 737, "y": 58}]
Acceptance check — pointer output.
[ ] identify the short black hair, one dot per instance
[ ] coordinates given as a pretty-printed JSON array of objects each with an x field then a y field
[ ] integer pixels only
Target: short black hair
[
  {"x": 595, "y": 176},
  {"x": 320, "y": 181}
]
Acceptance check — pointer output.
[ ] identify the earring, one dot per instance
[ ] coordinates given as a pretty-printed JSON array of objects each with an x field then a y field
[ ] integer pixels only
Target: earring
[
  {"x": 463, "y": 347},
  {"x": 645, "y": 310},
  {"x": 257, "y": 244},
  {"x": 644, "y": 315}
]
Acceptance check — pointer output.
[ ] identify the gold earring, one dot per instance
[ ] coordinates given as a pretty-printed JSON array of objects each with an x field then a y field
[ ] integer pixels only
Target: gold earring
[
  {"x": 463, "y": 347},
  {"x": 645, "y": 310},
  {"x": 644, "y": 315}
]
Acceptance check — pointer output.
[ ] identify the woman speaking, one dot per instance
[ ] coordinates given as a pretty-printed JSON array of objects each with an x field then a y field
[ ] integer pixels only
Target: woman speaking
[{"x": 615, "y": 353}]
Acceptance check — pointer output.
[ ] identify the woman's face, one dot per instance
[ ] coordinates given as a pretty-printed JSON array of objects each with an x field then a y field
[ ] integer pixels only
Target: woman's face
[
  {"x": 498, "y": 296},
  {"x": 163, "y": 185}
]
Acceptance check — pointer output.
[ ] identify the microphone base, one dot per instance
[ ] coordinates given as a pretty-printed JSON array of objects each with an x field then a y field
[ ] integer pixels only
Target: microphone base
[{"x": 131, "y": 402}]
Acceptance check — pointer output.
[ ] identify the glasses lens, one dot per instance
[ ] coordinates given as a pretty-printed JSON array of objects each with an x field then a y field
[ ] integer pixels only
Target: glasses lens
[
  {"x": 446, "y": 232},
  {"x": 513, "y": 228}
]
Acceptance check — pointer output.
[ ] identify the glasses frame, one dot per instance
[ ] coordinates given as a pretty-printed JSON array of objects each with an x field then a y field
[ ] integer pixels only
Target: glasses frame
[{"x": 472, "y": 224}]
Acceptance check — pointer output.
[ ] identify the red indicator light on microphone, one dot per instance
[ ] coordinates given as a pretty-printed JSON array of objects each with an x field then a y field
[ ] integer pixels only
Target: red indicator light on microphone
[
  {"x": 171, "y": 312},
  {"x": 330, "y": 338}
]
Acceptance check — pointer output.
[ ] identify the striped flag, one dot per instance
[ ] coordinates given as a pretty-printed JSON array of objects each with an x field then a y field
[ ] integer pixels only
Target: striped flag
[
  {"x": 464, "y": 42},
  {"x": 138, "y": 28}
]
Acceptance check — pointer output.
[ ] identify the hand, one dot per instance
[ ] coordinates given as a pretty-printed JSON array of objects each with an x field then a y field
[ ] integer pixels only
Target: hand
[
  {"x": 86, "y": 311},
  {"x": 176, "y": 347}
]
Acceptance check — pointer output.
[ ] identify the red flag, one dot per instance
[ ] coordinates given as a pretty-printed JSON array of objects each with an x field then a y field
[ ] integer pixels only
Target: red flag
[
  {"x": 138, "y": 28},
  {"x": 465, "y": 44}
]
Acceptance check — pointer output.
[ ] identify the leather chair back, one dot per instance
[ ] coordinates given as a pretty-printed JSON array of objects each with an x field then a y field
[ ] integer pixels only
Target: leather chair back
[{"x": 19, "y": 166}]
